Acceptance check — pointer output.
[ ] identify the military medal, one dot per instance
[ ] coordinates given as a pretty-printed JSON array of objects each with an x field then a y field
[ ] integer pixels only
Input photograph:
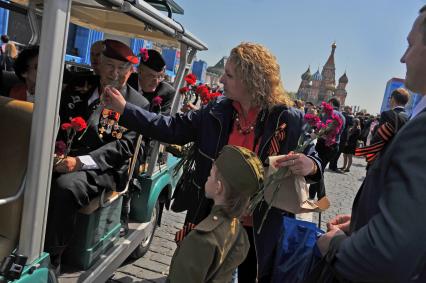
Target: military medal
[{"x": 109, "y": 124}]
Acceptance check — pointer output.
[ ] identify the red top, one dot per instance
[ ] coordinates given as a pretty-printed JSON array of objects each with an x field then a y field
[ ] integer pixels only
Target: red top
[
  {"x": 244, "y": 140},
  {"x": 241, "y": 139}
]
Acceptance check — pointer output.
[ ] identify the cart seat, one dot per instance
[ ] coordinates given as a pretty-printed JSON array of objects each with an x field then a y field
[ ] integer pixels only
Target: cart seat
[
  {"x": 94, "y": 204},
  {"x": 15, "y": 129}
]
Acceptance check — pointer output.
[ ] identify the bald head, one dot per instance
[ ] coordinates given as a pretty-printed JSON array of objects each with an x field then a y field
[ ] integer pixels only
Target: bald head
[
  {"x": 423, "y": 23},
  {"x": 415, "y": 55}
]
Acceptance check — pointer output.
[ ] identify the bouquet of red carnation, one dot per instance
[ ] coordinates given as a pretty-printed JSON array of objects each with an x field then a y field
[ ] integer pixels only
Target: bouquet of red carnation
[
  {"x": 76, "y": 125},
  {"x": 191, "y": 93},
  {"x": 191, "y": 79},
  {"x": 327, "y": 130}
]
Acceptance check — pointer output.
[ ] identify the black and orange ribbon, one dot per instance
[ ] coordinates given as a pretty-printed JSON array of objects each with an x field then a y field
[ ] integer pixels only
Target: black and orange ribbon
[
  {"x": 386, "y": 132},
  {"x": 182, "y": 233},
  {"x": 278, "y": 137}
]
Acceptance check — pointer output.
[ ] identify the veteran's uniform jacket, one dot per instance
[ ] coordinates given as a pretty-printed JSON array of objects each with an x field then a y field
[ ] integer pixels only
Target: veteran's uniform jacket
[
  {"x": 164, "y": 90},
  {"x": 108, "y": 143},
  {"x": 211, "y": 252}
]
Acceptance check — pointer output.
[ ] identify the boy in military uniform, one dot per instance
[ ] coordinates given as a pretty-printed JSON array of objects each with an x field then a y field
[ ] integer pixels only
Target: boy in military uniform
[{"x": 218, "y": 244}]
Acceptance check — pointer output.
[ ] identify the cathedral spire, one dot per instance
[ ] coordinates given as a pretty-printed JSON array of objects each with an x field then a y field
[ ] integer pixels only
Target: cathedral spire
[
  {"x": 306, "y": 76},
  {"x": 330, "y": 61}
]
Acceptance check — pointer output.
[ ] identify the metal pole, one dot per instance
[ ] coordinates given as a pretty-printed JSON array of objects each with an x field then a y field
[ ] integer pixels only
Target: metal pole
[
  {"x": 56, "y": 16},
  {"x": 184, "y": 66}
]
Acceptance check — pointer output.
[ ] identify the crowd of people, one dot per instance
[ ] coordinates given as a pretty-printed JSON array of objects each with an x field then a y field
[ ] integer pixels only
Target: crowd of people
[{"x": 381, "y": 241}]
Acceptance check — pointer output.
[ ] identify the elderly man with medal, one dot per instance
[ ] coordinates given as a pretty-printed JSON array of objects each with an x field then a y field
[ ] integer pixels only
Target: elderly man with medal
[
  {"x": 149, "y": 81},
  {"x": 97, "y": 157}
]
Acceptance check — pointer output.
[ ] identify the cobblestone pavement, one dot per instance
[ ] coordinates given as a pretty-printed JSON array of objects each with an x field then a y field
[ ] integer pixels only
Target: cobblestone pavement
[
  {"x": 153, "y": 267},
  {"x": 341, "y": 190}
]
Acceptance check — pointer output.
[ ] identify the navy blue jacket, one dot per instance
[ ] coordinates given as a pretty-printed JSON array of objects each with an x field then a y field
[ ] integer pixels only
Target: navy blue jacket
[{"x": 210, "y": 127}]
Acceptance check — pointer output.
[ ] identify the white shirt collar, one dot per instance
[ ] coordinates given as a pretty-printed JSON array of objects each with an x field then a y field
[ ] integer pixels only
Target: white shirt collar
[
  {"x": 95, "y": 95},
  {"x": 419, "y": 107}
]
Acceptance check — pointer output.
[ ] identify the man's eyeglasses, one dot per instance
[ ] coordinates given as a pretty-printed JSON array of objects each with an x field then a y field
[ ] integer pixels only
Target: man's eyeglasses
[{"x": 151, "y": 77}]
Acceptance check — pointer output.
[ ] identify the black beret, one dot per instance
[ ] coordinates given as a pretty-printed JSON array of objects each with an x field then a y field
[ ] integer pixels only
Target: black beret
[
  {"x": 118, "y": 50},
  {"x": 152, "y": 59}
]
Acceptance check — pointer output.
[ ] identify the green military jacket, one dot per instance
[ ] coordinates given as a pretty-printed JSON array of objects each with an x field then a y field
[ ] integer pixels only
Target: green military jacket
[{"x": 211, "y": 252}]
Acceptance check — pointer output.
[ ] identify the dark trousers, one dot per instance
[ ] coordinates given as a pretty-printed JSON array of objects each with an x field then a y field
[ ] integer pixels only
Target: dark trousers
[
  {"x": 70, "y": 192},
  {"x": 335, "y": 159},
  {"x": 325, "y": 153},
  {"x": 268, "y": 240},
  {"x": 247, "y": 271}
]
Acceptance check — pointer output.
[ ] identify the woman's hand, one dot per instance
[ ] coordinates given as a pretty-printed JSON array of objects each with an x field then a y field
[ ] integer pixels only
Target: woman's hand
[
  {"x": 298, "y": 163},
  {"x": 112, "y": 99},
  {"x": 188, "y": 107}
]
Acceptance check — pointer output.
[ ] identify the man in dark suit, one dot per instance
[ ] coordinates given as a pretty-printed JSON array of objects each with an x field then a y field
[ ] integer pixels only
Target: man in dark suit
[
  {"x": 149, "y": 81},
  {"x": 396, "y": 116},
  {"x": 99, "y": 156},
  {"x": 383, "y": 240}
]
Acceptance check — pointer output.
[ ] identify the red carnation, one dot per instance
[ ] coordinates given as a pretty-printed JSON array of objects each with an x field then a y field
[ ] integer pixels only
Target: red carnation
[
  {"x": 311, "y": 119},
  {"x": 201, "y": 89},
  {"x": 213, "y": 95},
  {"x": 183, "y": 90},
  {"x": 143, "y": 52},
  {"x": 327, "y": 108},
  {"x": 66, "y": 126},
  {"x": 191, "y": 79},
  {"x": 78, "y": 124},
  {"x": 156, "y": 101},
  {"x": 60, "y": 148}
]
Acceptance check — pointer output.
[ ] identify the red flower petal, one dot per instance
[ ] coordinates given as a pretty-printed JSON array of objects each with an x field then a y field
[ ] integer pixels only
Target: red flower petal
[
  {"x": 66, "y": 126},
  {"x": 78, "y": 123}
]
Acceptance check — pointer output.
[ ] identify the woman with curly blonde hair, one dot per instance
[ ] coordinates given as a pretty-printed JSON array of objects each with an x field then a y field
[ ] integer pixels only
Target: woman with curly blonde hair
[
  {"x": 260, "y": 73},
  {"x": 254, "y": 113}
]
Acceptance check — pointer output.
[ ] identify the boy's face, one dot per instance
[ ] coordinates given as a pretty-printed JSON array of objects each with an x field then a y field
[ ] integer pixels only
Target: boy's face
[{"x": 212, "y": 185}]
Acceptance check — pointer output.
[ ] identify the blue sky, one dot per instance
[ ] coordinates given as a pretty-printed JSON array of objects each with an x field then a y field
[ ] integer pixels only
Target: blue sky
[{"x": 370, "y": 36}]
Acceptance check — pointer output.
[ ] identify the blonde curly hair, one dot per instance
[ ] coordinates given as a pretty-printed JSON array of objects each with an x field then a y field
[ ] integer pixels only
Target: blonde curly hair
[{"x": 259, "y": 70}]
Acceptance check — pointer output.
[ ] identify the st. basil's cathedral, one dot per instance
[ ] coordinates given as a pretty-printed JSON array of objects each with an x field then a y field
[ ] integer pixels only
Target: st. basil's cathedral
[{"x": 322, "y": 86}]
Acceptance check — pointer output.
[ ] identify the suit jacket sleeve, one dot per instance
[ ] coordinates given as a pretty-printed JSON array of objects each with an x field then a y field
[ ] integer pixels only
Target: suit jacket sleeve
[
  {"x": 181, "y": 129},
  {"x": 115, "y": 153},
  {"x": 391, "y": 246}
]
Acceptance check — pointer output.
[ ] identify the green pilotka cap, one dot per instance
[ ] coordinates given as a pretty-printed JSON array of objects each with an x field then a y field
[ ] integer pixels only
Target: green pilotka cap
[{"x": 241, "y": 169}]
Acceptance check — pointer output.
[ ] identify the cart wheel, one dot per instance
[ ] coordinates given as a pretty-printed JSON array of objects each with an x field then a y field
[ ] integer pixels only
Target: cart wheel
[
  {"x": 143, "y": 247},
  {"x": 51, "y": 276}
]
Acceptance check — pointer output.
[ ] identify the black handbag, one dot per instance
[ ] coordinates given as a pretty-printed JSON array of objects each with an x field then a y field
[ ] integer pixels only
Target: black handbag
[
  {"x": 323, "y": 271},
  {"x": 185, "y": 192}
]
